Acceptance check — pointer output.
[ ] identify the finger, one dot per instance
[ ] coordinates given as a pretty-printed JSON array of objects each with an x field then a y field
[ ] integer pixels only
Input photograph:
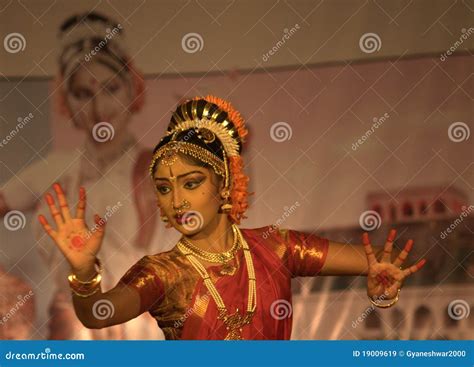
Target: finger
[
  {"x": 368, "y": 250},
  {"x": 404, "y": 254},
  {"x": 387, "y": 250},
  {"x": 414, "y": 268},
  {"x": 99, "y": 229},
  {"x": 393, "y": 289},
  {"x": 47, "y": 228},
  {"x": 58, "y": 218},
  {"x": 62, "y": 202},
  {"x": 81, "y": 206}
]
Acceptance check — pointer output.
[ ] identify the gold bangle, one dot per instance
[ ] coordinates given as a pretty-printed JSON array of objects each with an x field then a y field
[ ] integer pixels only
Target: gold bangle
[
  {"x": 85, "y": 295},
  {"x": 395, "y": 300},
  {"x": 97, "y": 278}
]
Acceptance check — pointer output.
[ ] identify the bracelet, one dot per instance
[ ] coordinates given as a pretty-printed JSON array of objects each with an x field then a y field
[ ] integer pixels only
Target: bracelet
[
  {"x": 83, "y": 295},
  {"x": 86, "y": 288},
  {"x": 395, "y": 300},
  {"x": 72, "y": 277}
]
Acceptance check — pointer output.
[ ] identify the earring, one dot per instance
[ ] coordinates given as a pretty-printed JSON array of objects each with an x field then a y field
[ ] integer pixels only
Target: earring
[{"x": 227, "y": 206}]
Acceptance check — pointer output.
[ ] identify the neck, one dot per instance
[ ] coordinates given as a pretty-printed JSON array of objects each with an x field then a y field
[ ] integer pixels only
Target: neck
[
  {"x": 217, "y": 236},
  {"x": 107, "y": 152}
]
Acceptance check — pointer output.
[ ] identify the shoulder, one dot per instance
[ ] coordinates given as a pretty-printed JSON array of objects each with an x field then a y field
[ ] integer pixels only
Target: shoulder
[
  {"x": 268, "y": 238},
  {"x": 164, "y": 263}
]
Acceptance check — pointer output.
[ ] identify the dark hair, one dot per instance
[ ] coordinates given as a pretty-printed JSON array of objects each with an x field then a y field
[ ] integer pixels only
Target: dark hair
[{"x": 189, "y": 135}]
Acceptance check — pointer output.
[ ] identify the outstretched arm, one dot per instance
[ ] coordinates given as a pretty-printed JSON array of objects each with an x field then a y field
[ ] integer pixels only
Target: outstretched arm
[
  {"x": 351, "y": 259},
  {"x": 347, "y": 259},
  {"x": 80, "y": 245}
]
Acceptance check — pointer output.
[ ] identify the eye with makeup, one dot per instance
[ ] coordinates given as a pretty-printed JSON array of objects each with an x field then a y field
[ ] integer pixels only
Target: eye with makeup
[{"x": 189, "y": 184}]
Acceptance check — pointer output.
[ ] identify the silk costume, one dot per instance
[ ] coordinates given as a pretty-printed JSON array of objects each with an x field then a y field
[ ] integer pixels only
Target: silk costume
[{"x": 172, "y": 291}]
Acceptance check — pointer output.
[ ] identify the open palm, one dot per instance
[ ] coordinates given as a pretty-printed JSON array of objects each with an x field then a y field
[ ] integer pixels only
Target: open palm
[
  {"x": 75, "y": 240},
  {"x": 385, "y": 278}
]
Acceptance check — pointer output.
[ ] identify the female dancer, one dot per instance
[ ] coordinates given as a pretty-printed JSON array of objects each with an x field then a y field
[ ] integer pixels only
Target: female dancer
[{"x": 219, "y": 281}]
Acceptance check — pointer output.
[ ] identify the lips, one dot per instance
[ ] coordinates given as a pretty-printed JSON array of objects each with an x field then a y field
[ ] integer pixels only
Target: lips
[{"x": 183, "y": 218}]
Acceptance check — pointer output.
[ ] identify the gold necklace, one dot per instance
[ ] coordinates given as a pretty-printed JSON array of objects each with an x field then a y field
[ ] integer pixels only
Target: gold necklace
[
  {"x": 236, "y": 321},
  {"x": 214, "y": 257}
]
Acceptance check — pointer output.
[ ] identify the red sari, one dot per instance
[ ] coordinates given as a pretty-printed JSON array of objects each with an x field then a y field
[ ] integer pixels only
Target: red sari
[{"x": 175, "y": 295}]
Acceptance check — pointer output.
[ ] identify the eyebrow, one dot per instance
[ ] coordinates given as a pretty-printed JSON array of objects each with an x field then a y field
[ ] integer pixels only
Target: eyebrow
[{"x": 180, "y": 176}]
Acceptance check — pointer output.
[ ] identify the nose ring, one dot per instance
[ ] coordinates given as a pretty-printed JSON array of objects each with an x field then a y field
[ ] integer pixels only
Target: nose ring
[{"x": 185, "y": 205}]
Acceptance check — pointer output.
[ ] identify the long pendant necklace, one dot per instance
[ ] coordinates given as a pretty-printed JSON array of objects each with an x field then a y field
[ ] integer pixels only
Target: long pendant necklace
[{"x": 235, "y": 321}]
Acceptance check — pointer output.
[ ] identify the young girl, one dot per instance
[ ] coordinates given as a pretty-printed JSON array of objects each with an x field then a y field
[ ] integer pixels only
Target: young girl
[{"x": 219, "y": 281}]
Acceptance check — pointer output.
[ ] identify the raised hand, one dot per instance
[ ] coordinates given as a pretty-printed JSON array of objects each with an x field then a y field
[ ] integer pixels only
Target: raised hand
[
  {"x": 385, "y": 278},
  {"x": 77, "y": 242}
]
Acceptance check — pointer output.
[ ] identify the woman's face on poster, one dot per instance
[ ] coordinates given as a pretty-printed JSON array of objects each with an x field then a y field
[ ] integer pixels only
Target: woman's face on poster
[{"x": 96, "y": 93}]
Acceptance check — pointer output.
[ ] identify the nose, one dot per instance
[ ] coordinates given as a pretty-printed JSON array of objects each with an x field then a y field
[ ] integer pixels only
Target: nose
[
  {"x": 177, "y": 200},
  {"x": 99, "y": 107}
]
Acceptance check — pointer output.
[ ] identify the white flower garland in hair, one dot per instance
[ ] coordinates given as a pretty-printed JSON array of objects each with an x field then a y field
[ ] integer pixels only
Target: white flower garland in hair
[{"x": 228, "y": 142}]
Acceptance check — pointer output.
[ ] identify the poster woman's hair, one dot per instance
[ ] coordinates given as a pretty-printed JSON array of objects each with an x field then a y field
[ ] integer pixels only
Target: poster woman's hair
[{"x": 93, "y": 37}]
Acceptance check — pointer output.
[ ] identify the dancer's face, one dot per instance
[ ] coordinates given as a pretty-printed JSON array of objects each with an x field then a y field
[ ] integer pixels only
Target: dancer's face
[
  {"x": 199, "y": 186},
  {"x": 96, "y": 93}
]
